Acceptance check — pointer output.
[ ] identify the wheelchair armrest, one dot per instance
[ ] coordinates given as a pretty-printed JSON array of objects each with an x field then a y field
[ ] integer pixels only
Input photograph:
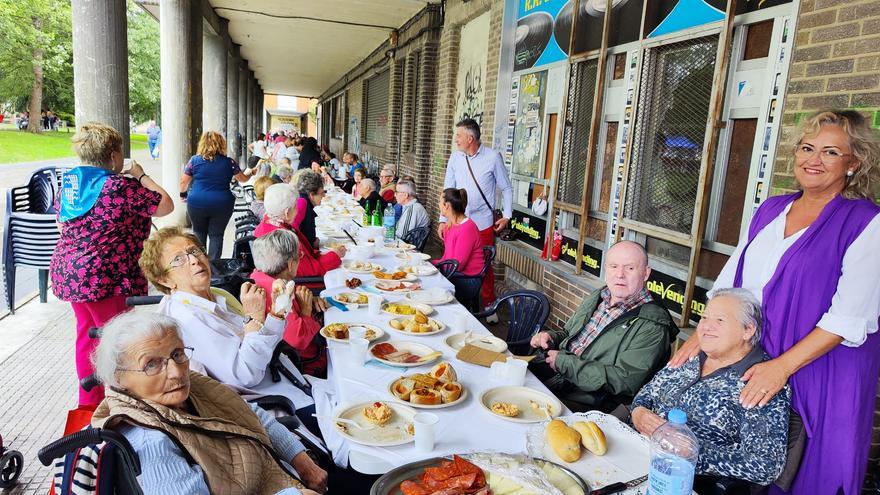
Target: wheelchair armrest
[
  {"x": 269, "y": 402},
  {"x": 90, "y": 436},
  {"x": 142, "y": 300},
  {"x": 90, "y": 382}
]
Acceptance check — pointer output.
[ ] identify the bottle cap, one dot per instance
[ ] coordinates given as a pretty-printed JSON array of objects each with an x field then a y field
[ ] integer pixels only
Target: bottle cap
[{"x": 677, "y": 416}]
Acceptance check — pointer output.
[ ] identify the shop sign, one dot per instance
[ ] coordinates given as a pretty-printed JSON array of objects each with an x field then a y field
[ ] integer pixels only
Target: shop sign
[
  {"x": 591, "y": 260},
  {"x": 530, "y": 229},
  {"x": 670, "y": 291}
]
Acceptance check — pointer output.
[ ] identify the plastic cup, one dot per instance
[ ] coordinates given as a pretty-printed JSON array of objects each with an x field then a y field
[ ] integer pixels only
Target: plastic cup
[
  {"x": 516, "y": 371},
  {"x": 460, "y": 321},
  {"x": 336, "y": 278},
  {"x": 375, "y": 304},
  {"x": 357, "y": 332},
  {"x": 357, "y": 349},
  {"x": 424, "y": 425},
  {"x": 498, "y": 371}
]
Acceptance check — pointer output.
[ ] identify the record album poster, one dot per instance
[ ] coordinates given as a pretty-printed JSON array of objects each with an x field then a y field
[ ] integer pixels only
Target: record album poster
[
  {"x": 668, "y": 16},
  {"x": 535, "y": 44},
  {"x": 529, "y": 133}
]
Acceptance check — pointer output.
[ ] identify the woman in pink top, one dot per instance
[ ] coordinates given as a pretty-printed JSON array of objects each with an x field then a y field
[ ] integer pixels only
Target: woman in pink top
[
  {"x": 461, "y": 237},
  {"x": 359, "y": 175}
]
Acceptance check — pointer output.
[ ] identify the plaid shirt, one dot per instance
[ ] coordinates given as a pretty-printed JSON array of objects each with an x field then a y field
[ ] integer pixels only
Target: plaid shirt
[{"x": 605, "y": 313}]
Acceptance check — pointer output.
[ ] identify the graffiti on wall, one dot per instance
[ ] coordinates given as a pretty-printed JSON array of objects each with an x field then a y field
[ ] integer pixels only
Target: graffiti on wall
[
  {"x": 470, "y": 88},
  {"x": 354, "y": 135}
]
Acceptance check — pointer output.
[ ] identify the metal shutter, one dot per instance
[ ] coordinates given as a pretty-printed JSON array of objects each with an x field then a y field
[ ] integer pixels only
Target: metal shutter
[{"x": 376, "y": 119}]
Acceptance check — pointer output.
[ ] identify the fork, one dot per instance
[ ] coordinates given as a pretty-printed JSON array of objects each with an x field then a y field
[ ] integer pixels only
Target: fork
[{"x": 345, "y": 422}]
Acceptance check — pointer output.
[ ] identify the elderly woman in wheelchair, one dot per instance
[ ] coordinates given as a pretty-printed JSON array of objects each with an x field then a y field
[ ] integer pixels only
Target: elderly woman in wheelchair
[
  {"x": 192, "y": 433},
  {"x": 237, "y": 342}
]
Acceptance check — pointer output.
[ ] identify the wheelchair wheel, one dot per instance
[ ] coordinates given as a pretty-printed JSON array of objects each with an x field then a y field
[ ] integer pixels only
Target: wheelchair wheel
[{"x": 11, "y": 464}]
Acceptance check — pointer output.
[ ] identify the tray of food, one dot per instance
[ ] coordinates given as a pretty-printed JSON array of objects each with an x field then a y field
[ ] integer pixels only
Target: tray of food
[
  {"x": 404, "y": 354},
  {"x": 435, "y": 389},
  {"x": 351, "y": 298},
  {"x": 362, "y": 267},
  {"x": 520, "y": 404},
  {"x": 406, "y": 309},
  {"x": 339, "y": 332},
  {"x": 377, "y": 424},
  {"x": 395, "y": 286},
  {"x": 417, "y": 324},
  {"x": 398, "y": 275}
]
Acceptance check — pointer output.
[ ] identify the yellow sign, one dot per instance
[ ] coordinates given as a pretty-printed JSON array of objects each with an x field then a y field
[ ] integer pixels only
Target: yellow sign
[
  {"x": 525, "y": 229},
  {"x": 672, "y": 294}
]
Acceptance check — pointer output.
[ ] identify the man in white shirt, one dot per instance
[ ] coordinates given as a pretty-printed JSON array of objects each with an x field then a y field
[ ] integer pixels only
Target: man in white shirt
[
  {"x": 258, "y": 147},
  {"x": 475, "y": 161}
]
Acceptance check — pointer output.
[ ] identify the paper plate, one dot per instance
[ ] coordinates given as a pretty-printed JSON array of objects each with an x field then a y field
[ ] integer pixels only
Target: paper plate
[
  {"x": 350, "y": 296},
  {"x": 423, "y": 308},
  {"x": 433, "y": 296},
  {"x": 422, "y": 269},
  {"x": 399, "y": 246},
  {"x": 378, "y": 333},
  {"x": 461, "y": 398},
  {"x": 408, "y": 278},
  {"x": 394, "y": 432},
  {"x": 411, "y": 347},
  {"x": 520, "y": 397},
  {"x": 411, "y": 257},
  {"x": 438, "y": 327},
  {"x": 361, "y": 267},
  {"x": 488, "y": 342},
  {"x": 394, "y": 286}
]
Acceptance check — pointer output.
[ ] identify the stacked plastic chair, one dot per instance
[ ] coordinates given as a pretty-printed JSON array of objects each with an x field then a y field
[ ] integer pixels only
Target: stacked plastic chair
[{"x": 30, "y": 232}]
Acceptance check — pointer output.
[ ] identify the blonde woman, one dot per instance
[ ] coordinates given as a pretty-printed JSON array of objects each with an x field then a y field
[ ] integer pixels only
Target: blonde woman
[
  {"x": 205, "y": 187},
  {"x": 104, "y": 215}
]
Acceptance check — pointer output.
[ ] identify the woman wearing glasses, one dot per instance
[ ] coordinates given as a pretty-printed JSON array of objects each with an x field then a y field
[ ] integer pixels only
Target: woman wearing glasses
[
  {"x": 811, "y": 259},
  {"x": 191, "y": 433},
  {"x": 233, "y": 338}
]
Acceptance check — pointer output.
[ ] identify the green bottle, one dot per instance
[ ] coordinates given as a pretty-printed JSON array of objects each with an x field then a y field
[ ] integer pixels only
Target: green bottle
[
  {"x": 376, "y": 219},
  {"x": 366, "y": 219}
]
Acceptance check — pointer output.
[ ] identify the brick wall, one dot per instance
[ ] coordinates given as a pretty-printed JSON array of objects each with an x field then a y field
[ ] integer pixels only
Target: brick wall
[{"x": 836, "y": 63}]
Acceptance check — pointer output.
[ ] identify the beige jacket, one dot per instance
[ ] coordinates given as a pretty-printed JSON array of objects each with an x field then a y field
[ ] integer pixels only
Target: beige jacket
[{"x": 226, "y": 439}]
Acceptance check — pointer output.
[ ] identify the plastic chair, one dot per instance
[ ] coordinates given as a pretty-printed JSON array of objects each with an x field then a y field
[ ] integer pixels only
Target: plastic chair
[
  {"x": 467, "y": 287},
  {"x": 528, "y": 310},
  {"x": 30, "y": 231},
  {"x": 447, "y": 267},
  {"x": 417, "y": 237}
]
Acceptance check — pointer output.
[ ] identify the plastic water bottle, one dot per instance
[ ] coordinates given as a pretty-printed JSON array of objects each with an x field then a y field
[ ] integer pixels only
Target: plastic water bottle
[
  {"x": 388, "y": 223},
  {"x": 674, "y": 452}
]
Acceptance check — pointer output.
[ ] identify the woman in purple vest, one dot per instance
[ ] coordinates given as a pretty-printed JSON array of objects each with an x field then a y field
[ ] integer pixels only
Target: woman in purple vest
[{"x": 811, "y": 258}]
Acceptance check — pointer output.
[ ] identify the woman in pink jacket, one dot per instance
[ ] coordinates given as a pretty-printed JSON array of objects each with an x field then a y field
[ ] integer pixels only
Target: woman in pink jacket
[{"x": 461, "y": 237}]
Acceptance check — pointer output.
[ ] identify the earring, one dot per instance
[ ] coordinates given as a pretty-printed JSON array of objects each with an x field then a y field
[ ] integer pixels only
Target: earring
[{"x": 849, "y": 173}]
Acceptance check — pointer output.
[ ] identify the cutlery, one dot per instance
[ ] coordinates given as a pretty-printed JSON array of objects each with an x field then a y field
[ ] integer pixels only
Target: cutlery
[
  {"x": 345, "y": 422},
  {"x": 350, "y": 237},
  {"x": 541, "y": 407},
  {"x": 620, "y": 486}
]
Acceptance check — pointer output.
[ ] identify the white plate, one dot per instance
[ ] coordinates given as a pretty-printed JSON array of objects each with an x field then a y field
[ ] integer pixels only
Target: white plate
[
  {"x": 351, "y": 295},
  {"x": 433, "y": 296},
  {"x": 399, "y": 246},
  {"x": 411, "y": 347},
  {"x": 461, "y": 398},
  {"x": 379, "y": 333},
  {"x": 408, "y": 278},
  {"x": 417, "y": 334},
  {"x": 423, "y": 269},
  {"x": 520, "y": 396},
  {"x": 407, "y": 286},
  {"x": 410, "y": 257},
  {"x": 489, "y": 342},
  {"x": 627, "y": 457},
  {"x": 367, "y": 267},
  {"x": 391, "y": 433},
  {"x": 424, "y": 308}
]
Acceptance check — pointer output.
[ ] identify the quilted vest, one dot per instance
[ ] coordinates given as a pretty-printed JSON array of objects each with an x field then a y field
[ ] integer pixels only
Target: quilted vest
[{"x": 226, "y": 439}]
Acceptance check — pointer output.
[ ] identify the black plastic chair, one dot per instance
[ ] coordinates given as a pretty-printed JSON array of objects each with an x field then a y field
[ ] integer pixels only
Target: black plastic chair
[
  {"x": 417, "y": 237},
  {"x": 447, "y": 267},
  {"x": 467, "y": 287},
  {"x": 30, "y": 233},
  {"x": 528, "y": 310}
]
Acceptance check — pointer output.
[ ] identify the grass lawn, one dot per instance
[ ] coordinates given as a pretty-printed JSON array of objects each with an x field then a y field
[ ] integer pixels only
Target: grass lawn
[{"x": 17, "y": 146}]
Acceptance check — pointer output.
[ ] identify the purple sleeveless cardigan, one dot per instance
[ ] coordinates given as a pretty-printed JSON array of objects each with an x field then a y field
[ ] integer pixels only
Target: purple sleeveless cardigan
[{"x": 835, "y": 394}]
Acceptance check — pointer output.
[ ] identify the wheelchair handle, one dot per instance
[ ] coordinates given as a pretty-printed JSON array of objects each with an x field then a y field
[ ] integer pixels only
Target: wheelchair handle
[{"x": 88, "y": 436}]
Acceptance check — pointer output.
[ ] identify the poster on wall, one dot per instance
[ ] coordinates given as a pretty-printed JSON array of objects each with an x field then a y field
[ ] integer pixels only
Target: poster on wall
[
  {"x": 470, "y": 88},
  {"x": 668, "y": 16},
  {"x": 529, "y": 132},
  {"x": 744, "y": 6}
]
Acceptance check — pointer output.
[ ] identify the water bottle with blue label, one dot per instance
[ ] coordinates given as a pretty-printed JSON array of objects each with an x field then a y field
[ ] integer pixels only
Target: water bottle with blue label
[
  {"x": 674, "y": 453},
  {"x": 388, "y": 223}
]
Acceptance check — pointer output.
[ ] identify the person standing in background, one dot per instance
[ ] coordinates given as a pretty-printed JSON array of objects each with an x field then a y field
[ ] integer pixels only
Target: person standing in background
[{"x": 154, "y": 133}]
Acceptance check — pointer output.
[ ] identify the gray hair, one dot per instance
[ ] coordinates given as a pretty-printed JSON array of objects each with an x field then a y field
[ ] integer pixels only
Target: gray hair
[
  {"x": 749, "y": 312},
  {"x": 370, "y": 183},
  {"x": 309, "y": 182},
  {"x": 278, "y": 197},
  {"x": 272, "y": 251},
  {"x": 284, "y": 172},
  {"x": 406, "y": 186},
  {"x": 471, "y": 126},
  {"x": 121, "y": 334}
]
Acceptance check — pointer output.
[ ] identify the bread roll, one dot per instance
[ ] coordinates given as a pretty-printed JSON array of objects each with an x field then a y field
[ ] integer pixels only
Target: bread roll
[
  {"x": 425, "y": 397},
  {"x": 450, "y": 392},
  {"x": 565, "y": 441},
  {"x": 592, "y": 437},
  {"x": 444, "y": 372},
  {"x": 403, "y": 388},
  {"x": 396, "y": 324}
]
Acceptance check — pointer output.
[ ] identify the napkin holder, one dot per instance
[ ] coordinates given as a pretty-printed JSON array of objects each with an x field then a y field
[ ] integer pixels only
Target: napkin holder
[{"x": 484, "y": 357}]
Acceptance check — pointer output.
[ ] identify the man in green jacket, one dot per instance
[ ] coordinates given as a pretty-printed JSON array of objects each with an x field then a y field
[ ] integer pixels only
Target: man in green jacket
[{"x": 615, "y": 342}]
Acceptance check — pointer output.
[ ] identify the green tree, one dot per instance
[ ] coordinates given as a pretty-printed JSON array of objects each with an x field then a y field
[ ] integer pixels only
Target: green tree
[
  {"x": 144, "y": 88},
  {"x": 37, "y": 48}
]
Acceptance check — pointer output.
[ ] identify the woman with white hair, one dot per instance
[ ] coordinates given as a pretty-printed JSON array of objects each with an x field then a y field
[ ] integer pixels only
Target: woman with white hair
[
  {"x": 280, "y": 204},
  {"x": 736, "y": 442},
  {"x": 310, "y": 187},
  {"x": 192, "y": 434},
  {"x": 276, "y": 256}
]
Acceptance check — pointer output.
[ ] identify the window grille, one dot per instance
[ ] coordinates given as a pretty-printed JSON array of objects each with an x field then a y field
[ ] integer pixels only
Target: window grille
[{"x": 576, "y": 134}]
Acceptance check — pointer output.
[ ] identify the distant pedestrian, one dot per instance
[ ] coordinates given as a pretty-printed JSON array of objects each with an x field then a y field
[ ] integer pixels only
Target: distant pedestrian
[
  {"x": 154, "y": 135},
  {"x": 104, "y": 216}
]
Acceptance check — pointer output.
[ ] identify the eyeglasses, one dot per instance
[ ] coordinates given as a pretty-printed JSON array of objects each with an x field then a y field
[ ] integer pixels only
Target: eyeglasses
[
  {"x": 829, "y": 156},
  {"x": 182, "y": 258},
  {"x": 157, "y": 365}
]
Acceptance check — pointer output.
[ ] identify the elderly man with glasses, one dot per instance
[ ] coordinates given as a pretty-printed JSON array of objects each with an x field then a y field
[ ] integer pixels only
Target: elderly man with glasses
[
  {"x": 386, "y": 185},
  {"x": 413, "y": 215}
]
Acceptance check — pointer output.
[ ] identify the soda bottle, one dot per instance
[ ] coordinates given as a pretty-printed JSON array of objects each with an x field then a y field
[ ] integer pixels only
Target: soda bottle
[
  {"x": 366, "y": 219},
  {"x": 388, "y": 223},
  {"x": 674, "y": 452},
  {"x": 377, "y": 220}
]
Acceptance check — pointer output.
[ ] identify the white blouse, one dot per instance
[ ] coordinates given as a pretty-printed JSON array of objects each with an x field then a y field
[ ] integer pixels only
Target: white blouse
[
  {"x": 228, "y": 354},
  {"x": 855, "y": 306}
]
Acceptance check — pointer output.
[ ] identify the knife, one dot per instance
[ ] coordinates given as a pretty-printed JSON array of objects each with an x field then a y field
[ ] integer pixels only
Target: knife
[{"x": 619, "y": 486}]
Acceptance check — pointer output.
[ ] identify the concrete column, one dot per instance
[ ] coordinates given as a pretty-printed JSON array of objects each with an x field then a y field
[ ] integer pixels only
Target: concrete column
[
  {"x": 242, "y": 110},
  {"x": 232, "y": 63},
  {"x": 100, "y": 64},
  {"x": 214, "y": 80},
  {"x": 181, "y": 60},
  {"x": 249, "y": 121},
  {"x": 261, "y": 117}
]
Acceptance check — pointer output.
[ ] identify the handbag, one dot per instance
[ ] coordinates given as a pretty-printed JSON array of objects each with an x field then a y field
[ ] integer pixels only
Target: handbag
[{"x": 496, "y": 213}]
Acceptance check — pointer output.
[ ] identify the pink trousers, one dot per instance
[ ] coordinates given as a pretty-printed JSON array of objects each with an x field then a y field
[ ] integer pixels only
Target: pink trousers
[{"x": 93, "y": 314}]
